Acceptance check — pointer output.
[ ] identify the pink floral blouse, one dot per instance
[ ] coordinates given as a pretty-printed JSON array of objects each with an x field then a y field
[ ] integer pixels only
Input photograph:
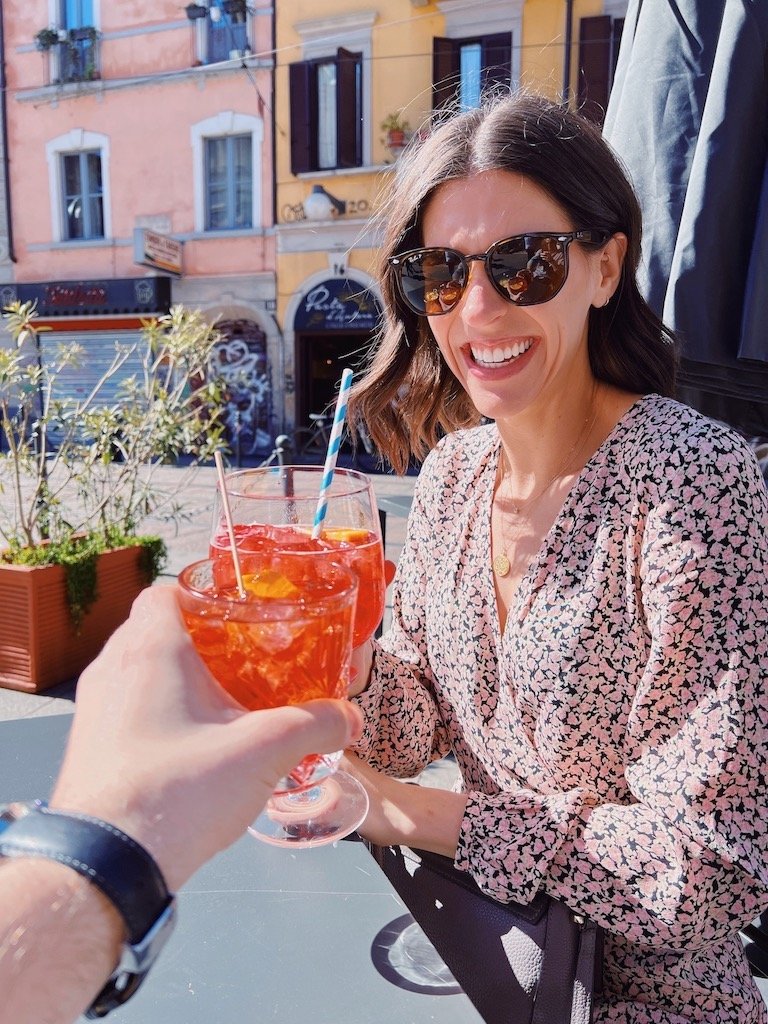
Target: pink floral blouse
[{"x": 614, "y": 741}]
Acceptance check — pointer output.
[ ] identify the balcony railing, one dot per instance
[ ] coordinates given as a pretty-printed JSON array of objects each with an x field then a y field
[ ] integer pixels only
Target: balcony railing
[{"x": 78, "y": 57}]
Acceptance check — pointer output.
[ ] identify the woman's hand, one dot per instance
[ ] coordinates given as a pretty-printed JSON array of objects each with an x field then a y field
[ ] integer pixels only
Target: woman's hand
[
  {"x": 407, "y": 814},
  {"x": 362, "y": 656},
  {"x": 360, "y": 668}
]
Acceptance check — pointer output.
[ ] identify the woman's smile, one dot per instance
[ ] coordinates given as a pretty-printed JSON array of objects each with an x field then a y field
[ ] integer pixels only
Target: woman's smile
[{"x": 500, "y": 354}]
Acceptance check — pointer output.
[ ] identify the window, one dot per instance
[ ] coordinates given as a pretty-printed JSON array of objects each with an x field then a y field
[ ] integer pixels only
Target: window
[
  {"x": 228, "y": 183},
  {"x": 599, "y": 39},
  {"x": 78, "y": 57},
  {"x": 463, "y": 69},
  {"x": 326, "y": 112},
  {"x": 82, "y": 195},
  {"x": 227, "y": 31},
  {"x": 227, "y": 172}
]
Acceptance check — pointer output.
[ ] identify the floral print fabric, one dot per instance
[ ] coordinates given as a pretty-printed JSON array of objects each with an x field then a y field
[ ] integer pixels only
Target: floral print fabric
[{"x": 613, "y": 742}]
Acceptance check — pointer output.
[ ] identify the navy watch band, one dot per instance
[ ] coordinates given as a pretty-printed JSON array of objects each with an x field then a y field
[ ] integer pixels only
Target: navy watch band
[{"x": 124, "y": 871}]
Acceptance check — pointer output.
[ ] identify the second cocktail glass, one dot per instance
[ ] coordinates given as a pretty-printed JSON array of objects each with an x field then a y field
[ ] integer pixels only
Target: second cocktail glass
[{"x": 273, "y": 510}]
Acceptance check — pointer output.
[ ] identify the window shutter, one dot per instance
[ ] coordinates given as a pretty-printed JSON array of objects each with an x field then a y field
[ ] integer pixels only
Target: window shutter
[
  {"x": 348, "y": 108},
  {"x": 303, "y": 117},
  {"x": 497, "y": 61},
  {"x": 445, "y": 72},
  {"x": 595, "y": 40}
]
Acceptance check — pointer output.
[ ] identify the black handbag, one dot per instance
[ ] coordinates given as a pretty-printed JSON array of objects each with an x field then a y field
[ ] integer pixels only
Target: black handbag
[{"x": 518, "y": 964}]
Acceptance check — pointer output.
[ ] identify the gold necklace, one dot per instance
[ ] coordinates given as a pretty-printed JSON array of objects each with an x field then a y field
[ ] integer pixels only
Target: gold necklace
[{"x": 500, "y": 562}]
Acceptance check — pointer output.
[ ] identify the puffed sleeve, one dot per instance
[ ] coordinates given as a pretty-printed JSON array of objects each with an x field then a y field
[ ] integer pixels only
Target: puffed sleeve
[
  {"x": 685, "y": 864},
  {"x": 403, "y": 730}
]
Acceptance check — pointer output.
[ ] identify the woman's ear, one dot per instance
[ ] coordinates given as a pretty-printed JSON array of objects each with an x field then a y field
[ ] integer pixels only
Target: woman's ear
[{"x": 611, "y": 262}]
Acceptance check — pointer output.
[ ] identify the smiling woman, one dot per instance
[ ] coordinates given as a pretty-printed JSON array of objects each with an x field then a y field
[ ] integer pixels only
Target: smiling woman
[{"x": 578, "y": 611}]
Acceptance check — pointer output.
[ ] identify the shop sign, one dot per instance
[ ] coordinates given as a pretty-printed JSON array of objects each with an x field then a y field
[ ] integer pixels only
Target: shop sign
[
  {"x": 138, "y": 295},
  {"x": 151, "y": 249},
  {"x": 337, "y": 304}
]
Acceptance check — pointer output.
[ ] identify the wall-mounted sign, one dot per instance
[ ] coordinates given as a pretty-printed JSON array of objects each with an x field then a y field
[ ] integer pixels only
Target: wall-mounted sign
[
  {"x": 337, "y": 304},
  {"x": 152, "y": 249},
  {"x": 139, "y": 295}
]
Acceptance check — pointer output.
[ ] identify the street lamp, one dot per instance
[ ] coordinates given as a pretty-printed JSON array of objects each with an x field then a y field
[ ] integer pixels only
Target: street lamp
[{"x": 321, "y": 205}]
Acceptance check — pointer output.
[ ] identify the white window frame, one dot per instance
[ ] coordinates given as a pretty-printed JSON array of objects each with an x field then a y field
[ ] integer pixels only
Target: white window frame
[
  {"x": 227, "y": 123},
  {"x": 322, "y": 37},
  {"x": 77, "y": 140},
  {"x": 466, "y": 20}
]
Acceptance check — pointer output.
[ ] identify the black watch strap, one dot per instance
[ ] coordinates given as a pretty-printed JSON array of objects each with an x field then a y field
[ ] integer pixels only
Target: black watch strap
[{"x": 124, "y": 871}]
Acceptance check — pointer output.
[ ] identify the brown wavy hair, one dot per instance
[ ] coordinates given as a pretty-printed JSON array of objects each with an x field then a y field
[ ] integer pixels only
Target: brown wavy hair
[{"x": 408, "y": 398}]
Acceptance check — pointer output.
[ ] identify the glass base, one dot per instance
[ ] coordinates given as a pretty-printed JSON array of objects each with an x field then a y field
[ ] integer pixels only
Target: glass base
[{"x": 322, "y": 814}]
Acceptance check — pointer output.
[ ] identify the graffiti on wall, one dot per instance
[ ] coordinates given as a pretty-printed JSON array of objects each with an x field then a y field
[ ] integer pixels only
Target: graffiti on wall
[{"x": 240, "y": 359}]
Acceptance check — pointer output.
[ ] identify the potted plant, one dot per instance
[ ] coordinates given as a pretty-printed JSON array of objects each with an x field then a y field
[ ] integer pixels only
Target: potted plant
[
  {"x": 397, "y": 131},
  {"x": 46, "y": 38},
  {"x": 78, "y": 479}
]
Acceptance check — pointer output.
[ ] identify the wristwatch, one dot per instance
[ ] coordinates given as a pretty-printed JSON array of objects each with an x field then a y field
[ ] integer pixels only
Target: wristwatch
[{"x": 124, "y": 871}]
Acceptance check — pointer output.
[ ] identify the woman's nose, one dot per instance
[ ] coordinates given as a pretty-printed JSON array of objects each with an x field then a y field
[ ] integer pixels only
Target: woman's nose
[{"x": 481, "y": 300}]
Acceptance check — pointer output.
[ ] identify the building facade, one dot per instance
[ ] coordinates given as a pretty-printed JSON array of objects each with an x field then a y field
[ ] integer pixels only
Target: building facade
[
  {"x": 140, "y": 170},
  {"x": 353, "y": 80},
  {"x": 232, "y": 155}
]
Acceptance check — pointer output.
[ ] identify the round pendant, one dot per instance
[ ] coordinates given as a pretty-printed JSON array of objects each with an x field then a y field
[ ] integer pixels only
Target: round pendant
[{"x": 501, "y": 565}]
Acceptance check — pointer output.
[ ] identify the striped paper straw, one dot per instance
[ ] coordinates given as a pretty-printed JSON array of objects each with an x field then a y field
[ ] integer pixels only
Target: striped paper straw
[{"x": 333, "y": 451}]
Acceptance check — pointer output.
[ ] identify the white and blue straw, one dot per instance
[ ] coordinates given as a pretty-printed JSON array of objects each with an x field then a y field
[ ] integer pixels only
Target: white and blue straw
[{"x": 333, "y": 451}]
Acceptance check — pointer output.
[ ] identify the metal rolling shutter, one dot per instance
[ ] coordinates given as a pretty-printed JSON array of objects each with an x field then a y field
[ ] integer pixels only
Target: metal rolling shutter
[{"x": 77, "y": 382}]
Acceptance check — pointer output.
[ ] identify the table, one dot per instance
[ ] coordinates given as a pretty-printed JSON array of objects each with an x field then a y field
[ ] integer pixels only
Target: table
[
  {"x": 263, "y": 933},
  {"x": 395, "y": 504}
]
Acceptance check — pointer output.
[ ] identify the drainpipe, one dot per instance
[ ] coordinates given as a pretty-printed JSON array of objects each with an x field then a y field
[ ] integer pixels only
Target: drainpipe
[
  {"x": 568, "y": 43},
  {"x": 273, "y": 132},
  {"x": 273, "y": 129},
  {"x": 4, "y": 119}
]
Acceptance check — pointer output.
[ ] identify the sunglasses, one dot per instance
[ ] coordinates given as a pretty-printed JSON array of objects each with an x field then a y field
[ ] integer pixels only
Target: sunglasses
[{"x": 525, "y": 269}]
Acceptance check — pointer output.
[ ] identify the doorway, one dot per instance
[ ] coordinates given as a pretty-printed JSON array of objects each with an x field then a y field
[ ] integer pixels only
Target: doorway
[{"x": 321, "y": 357}]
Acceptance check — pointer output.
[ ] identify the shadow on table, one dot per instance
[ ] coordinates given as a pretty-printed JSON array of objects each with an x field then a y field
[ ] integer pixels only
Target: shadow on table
[{"x": 403, "y": 955}]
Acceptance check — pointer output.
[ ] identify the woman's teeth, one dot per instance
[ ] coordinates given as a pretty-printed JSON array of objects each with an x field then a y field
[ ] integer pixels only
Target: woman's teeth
[{"x": 502, "y": 354}]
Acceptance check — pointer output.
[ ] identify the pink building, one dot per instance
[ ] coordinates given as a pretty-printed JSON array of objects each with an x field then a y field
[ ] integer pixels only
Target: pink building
[{"x": 140, "y": 169}]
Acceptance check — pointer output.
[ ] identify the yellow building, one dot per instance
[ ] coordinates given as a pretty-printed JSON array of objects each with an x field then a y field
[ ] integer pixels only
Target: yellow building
[{"x": 348, "y": 74}]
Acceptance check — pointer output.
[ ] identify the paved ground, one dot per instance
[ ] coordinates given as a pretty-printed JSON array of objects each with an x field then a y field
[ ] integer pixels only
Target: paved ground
[{"x": 189, "y": 541}]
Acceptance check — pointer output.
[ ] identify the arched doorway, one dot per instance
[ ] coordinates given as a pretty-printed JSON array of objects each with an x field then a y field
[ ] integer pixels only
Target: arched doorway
[{"x": 334, "y": 326}]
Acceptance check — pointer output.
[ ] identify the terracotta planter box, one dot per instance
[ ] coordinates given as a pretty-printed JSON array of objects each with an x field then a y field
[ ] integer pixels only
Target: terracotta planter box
[{"x": 39, "y": 646}]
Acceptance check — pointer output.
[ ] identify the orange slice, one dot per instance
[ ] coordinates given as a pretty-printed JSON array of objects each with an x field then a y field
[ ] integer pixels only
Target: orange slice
[
  {"x": 269, "y": 583},
  {"x": 350, "y": 536}
]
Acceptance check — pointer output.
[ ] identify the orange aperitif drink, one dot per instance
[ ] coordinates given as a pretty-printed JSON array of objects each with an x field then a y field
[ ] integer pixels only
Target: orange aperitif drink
[
  {"x": 359, "y": 549},
  {"x": 288, "y": 640}
]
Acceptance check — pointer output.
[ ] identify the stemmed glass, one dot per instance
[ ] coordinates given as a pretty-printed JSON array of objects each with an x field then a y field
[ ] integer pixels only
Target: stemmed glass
[
  {"x": 286, "y": 639},
  {"x": 273, "y": 510}
]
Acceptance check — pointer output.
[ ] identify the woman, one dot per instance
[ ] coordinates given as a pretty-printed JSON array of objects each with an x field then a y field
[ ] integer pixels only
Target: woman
[{"x": 580, "y": 609}]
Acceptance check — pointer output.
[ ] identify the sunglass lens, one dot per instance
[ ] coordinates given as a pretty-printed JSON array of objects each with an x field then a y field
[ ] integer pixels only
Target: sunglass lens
[
  {"x": 432, "y": 282},
  {"x": 529, "y": 275}
]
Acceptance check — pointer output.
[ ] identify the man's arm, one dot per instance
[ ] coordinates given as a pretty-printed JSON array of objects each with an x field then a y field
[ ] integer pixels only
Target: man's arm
[
  {"x": 160, "y": 751},
  {"x": 60, "y": 939}
]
